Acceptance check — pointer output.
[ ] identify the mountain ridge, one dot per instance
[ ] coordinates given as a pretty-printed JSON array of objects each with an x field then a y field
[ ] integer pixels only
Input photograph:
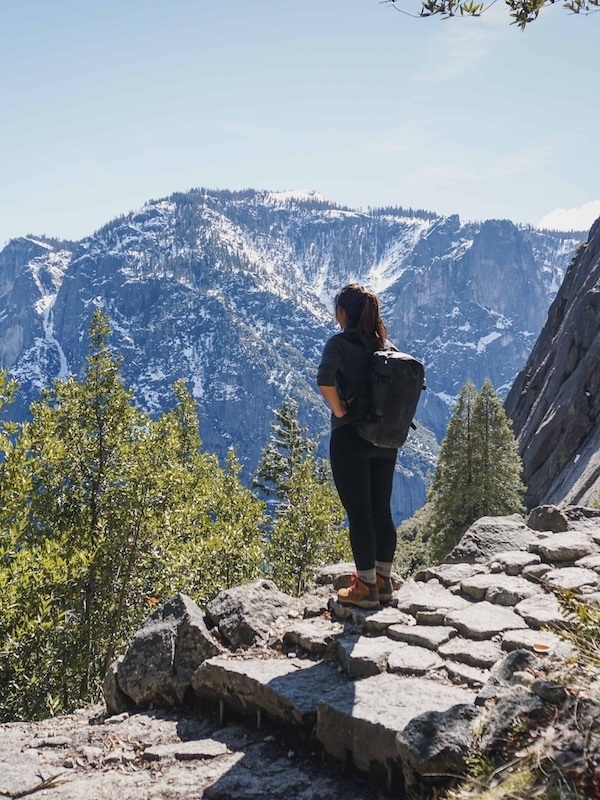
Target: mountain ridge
[{"x": 233, "y": 291}]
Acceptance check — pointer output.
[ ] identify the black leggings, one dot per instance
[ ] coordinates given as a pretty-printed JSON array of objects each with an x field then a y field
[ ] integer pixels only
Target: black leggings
[{"x": 363, "y": 477}]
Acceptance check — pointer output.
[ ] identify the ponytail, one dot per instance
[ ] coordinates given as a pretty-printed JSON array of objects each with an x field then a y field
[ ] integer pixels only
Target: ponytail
[{"x": 362, "y": 308}]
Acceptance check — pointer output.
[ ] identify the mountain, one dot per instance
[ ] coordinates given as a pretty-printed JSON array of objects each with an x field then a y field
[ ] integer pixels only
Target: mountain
[
  {"x": 233, "y": 291},
  {"x": 555, "y": 401}
]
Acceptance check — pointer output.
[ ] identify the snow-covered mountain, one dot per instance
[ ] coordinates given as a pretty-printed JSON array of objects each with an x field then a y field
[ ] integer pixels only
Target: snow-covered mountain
[{"x": 233, "y": 291}]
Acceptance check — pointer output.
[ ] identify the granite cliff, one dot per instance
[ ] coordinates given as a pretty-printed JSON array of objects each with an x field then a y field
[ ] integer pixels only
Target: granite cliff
[{"x": 555, "y": 400}]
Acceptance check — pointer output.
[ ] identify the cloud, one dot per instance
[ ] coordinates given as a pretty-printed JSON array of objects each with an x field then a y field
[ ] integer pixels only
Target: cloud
[{"x": 572, "y": 219}]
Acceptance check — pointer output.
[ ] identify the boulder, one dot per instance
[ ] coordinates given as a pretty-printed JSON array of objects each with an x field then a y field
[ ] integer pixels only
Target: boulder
[
  {"x": 246, "y": 615},
  {"x": 504, "y": 672},
  {"x": 436, "y": 744},
  {"x": 490, "y": 535},
  {"x": 517, "y": 703},
  {"x": 547, "y": 518},
  {"x": 157, "y": 667},
  {"x": 115, "y": 699}
]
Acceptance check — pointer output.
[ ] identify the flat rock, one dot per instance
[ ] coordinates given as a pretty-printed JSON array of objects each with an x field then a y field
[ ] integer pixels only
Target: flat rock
[
  {"x": 589, "y": 562},
  {"x": 572, "y": 579},
  {"x": 504, "y": 590},
  {"x": 471, "y": 676},
  {"x": 431, "y": 617},
  {"x": 414, "y": 597},
  {"x": 316, "y": 608},
  {"x": 364, "y": 718},
  {"x": 380, "y": 621},
  {"x": 187, "y": 751},
  {"x": 429, "y": 636},
  {"x": 364, "y": 656},
  {"x": 484, "y": 620},
  {"x": 541, "y": 610},
  {"x": 547, "y": 518},
  {"x": 411, "y": 660},
  {"x": 568, "y": 546},
  {"x": 316, "y": 636},
  {"x": 539, "y": 642},
  {"x": 357, "y": 616},
  {"x": 287, "y": 689},
  {"x": 450, "y": 574},
  {"x": 338, "y": 576},
  {"x": 490, "y": 535},
  {"x": 482, "y": 654},
  {"x": 514, "y": 561},
  {"x": 245, "y": 615},
  {"x": 535, "y": 571}
]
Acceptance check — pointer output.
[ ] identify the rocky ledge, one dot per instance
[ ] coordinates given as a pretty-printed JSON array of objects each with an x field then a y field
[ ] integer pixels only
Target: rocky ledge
[{"x": 252, "y": 690}]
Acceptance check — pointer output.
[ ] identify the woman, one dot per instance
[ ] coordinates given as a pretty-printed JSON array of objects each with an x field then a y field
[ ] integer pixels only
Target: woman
[{"x": 362, "y": 472}]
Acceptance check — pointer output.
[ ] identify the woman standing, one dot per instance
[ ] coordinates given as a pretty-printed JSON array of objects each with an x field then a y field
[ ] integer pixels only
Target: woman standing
[{"x": 362, "y": 472}]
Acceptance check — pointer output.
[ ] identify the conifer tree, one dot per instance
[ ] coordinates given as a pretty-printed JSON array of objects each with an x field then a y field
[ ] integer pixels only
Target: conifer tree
[
  {"x": 478, "y": 471},
  {"x": 304, "y": 527}
]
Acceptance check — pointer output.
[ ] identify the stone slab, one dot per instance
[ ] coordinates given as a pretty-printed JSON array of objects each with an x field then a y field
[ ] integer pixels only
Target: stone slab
[
  {"x": 572, "y": 579},
  {"x": 429, "y": 636},
  {"x": 539, "y": 611},
  {"x": 484, "y": 620},
  {"x": 363, "y": 718},
  {"x": 589, "y": 562},
  {"x": 471, "y": 676},
  {"x": 411, "y": 660},
  {"x": 364, "y": 656},
  {"x": 287, "y": 689},
  {"x": 338, "y": 576},
  {"x": 380, "y": 621},
  {"x": 187, "y": 751},
  {"x": 560, "y": 547},
  {"x": 539, "y": 642},
  {"x": 414, "y": 597},
  {"x": 346, "y": 613},
  {"x": 450, "y": 574},
  {"x": 514, "y": 561},
  {"x": 535, "y": 572},
  {"x": 504, "y": 590},
  {"x": 483, "y": 654},
  {"x": 316, "y": 636}
]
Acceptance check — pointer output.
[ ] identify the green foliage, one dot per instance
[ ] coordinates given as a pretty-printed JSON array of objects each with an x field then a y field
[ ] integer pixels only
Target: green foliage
[
  {"x": 304, "y": 530},
  {"x": 104, "y": 513},
  {"x": 413, "y": 550},
  {"x": 478, "y": 471},
  {"x": 522, "y": 11}
]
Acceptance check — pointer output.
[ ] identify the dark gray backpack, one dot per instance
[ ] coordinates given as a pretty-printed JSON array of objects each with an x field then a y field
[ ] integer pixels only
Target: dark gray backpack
[{"x": 391, "y": 398}]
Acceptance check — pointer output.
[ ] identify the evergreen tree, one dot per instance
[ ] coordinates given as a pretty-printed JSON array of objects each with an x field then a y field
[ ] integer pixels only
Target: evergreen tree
[
  {"x": 304, "y": 524},
  {"x": 478, "y": 471}
]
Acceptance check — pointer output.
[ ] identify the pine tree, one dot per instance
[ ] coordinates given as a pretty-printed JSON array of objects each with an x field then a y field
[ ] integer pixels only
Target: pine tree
[
  {"x": 304, "y": 528},
  {"x": 478, "y": 471}
]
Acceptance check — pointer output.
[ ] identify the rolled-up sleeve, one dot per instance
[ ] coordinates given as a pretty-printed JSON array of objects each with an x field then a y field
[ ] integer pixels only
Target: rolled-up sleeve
[{"x": 333, "y": 355}]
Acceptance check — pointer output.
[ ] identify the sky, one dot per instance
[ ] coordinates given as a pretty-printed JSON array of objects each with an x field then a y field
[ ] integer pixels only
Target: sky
[{"x": 107, "y": 105}]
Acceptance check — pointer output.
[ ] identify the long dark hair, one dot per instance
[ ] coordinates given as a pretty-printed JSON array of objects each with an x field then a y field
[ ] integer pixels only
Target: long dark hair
[{"x": 362, "y": 308}]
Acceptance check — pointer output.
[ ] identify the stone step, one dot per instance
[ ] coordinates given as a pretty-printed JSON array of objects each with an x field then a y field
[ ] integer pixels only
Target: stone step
[
  {"x": 362, "y": 719},
  {"x": 288, "y": 689}
]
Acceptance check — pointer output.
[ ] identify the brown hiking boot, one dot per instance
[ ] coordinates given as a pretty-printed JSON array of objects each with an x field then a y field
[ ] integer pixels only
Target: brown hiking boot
[
  {"x": 359, "y": 594},
  {"x": 385, "y": 587}
]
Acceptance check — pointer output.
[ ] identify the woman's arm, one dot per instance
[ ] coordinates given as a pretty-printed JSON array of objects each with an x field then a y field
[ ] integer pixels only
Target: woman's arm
[{"x": 337, "y": 405}]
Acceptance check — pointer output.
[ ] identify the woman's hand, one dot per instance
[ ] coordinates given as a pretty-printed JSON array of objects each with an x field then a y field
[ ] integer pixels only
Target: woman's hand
[{"x": 339, "y": 407}]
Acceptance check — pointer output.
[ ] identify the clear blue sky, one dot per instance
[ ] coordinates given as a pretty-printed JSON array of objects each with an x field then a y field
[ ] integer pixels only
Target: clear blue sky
[{"x": 105, "y": 105}]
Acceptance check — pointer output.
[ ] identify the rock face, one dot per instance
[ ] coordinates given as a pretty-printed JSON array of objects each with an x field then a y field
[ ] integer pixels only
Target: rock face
[
  {"x": 232, "y": 291},
  {"x": 555, "y": 400}
]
